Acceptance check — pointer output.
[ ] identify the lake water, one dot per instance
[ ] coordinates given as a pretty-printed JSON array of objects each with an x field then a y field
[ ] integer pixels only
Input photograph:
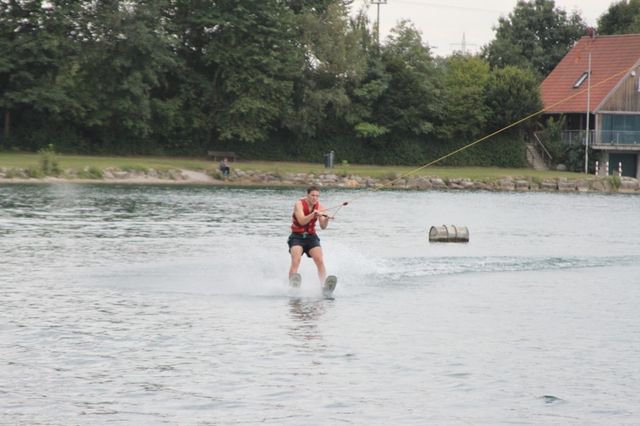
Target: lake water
[{"x": 153, "y": 305}]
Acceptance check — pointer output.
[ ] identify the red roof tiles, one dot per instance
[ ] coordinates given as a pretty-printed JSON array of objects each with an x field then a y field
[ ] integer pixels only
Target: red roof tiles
[{"x": 611, "y": 57}]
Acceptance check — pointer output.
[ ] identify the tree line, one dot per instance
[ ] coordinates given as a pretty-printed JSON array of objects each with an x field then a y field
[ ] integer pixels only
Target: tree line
[{"x": 269, "y": 79}]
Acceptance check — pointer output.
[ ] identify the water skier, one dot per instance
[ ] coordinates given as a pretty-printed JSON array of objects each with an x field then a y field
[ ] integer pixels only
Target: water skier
[{"x": 304, "y": 239}]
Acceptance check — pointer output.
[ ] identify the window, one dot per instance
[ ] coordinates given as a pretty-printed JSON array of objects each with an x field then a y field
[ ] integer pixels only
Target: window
[{"x": 581, "y": 80}]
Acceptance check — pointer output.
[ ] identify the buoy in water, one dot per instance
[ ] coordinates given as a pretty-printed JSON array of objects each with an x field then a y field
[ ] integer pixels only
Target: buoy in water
[{"x": 449, "y": 234}]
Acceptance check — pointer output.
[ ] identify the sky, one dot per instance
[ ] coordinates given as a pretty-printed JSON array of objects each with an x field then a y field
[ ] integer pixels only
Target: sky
[{"x": 444, "y": 23}]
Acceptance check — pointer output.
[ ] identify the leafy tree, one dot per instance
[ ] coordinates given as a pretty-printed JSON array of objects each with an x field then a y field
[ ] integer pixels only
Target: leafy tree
[
  {"x": 126, "y": 55},
  {"x": 334, "y": 61},
  {"x": 411, "y": 106},
  {"x": 240, "y": 57},
  {"x": 35, "y": 51},
  {"x": 465, "y": 110},
  {"x": 535, "y": 35},
  {"x": 622, "y": 17},
  {"x": 363, "y": 93},
  {"x": 317, "y": 6},
  {"x": 412, "y": 103},
  {"x": 512, "y": 94},
  {"x": 365, "y": 97}
]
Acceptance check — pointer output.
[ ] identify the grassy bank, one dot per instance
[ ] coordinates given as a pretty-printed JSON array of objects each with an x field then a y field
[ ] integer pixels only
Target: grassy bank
[{"x": 80, "y": 162}]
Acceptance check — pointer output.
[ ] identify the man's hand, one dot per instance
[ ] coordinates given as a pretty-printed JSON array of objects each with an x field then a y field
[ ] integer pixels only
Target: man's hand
[{"x": 319, "y": 213}]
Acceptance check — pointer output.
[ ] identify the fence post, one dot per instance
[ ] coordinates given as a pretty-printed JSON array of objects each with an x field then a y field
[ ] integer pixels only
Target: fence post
[
  {"x": 620, "y": 169},
  {"x": 606, "y": 168},
  {"x": 597, "y": 165}
]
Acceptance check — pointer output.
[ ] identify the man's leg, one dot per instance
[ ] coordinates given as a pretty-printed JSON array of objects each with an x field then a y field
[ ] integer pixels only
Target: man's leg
[
  {"x": 296, "y": 255},
  {"x": 316, "y": 255}
]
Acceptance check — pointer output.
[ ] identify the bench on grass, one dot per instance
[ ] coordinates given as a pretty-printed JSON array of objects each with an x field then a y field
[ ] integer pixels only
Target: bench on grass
[{"x": 219, "y": 155}]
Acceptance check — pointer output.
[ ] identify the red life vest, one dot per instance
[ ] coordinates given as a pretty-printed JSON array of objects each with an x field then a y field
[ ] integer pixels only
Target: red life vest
[{"x": 309, "y": 228}]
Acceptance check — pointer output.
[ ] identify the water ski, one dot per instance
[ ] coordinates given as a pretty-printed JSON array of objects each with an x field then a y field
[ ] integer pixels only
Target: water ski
[
  {"x": 295, "y": 280},
  {"x": 329, "y": 285}
]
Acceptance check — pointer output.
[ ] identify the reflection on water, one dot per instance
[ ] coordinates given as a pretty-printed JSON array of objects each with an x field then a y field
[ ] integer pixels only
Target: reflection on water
[
  {"x": 306, "y": 313},
  {"x": 164, "y": 305}
]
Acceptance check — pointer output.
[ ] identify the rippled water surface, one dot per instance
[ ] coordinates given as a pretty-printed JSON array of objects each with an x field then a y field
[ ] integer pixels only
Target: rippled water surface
[{"x": 169, "y": 305}]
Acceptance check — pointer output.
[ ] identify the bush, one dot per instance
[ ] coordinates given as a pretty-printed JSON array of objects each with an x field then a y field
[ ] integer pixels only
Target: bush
[
  {"x": 91, "y": 172},
  {"x": 34, "y": 173},
  {"x": 49, "y": 161},
  {"x": 615, "y": 182}
]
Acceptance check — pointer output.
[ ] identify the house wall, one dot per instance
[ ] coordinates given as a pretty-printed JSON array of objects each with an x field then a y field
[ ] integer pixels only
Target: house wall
[
  {"x": 618, "y": 117},
  {"x": 626, "y": 97}
]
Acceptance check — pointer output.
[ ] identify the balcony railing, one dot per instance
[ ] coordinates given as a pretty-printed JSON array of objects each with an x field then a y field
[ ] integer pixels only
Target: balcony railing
[
  {"x": 576, "y": 137},
  {"x": 602, "y": 137},
  {"x": 618, "y": 137}
]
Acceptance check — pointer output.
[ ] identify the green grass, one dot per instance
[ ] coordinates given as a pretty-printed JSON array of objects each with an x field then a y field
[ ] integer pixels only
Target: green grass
[{"x": 81, "y": 162}]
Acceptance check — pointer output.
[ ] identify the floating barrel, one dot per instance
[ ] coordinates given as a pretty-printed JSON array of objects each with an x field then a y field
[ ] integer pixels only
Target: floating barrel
[{"x": 449, "y": 234}]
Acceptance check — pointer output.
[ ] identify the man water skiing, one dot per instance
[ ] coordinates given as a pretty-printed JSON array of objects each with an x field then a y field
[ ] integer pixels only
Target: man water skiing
[{"x": 303, "y": 239}]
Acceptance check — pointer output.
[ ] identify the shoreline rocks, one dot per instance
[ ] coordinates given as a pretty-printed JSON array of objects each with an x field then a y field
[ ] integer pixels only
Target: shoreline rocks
[{"x": 602, "y": 184}]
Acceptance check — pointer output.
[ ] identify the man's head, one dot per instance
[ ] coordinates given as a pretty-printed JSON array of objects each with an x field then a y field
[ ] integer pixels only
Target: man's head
[{"x": 313, "y": 194}]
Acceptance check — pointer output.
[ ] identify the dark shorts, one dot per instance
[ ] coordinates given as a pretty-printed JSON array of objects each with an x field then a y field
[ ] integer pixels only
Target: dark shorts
[{"x": 306, "y": 241}]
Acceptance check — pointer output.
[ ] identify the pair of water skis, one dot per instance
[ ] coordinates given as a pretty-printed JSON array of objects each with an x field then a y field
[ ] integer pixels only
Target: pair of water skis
[{"x": 327, "y": 287}]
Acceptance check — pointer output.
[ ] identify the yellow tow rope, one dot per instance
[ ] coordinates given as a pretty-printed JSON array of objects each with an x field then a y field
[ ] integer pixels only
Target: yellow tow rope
[{"x": 482, "y": 139}]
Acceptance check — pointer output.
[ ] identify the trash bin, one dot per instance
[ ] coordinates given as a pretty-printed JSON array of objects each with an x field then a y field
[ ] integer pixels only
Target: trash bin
[{"x": 328, "y": 160}]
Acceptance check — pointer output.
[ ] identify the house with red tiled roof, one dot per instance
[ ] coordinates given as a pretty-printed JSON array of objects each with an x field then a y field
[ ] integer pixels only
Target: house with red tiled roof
[{"x": 606, "y": 101}]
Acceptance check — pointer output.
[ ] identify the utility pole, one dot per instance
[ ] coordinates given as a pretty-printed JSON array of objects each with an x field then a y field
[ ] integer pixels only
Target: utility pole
[
  {"x": 591, "y": 32},
  {"x": 586, "y": 141},
  {"x": 378, "y": 3},
  {"x": 464, "y": 44}
]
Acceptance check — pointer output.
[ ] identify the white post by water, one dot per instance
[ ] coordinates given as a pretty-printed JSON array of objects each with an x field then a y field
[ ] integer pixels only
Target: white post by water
[
  {"x": 606, "y": 168},
  {"x": 597, "y": 166},
  {"x": 620, "y": 169}
]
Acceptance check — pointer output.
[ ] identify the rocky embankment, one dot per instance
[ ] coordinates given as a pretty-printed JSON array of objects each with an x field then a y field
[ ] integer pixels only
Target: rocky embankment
[
  {"x": 332, "y": 180},
  {"x": 588, "y": 184}
]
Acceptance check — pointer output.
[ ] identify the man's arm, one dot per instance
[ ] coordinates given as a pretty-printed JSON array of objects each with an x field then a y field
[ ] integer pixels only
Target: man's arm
[
  {"x": 323, "y": 218},
  {"x": 298, "y": 211}
]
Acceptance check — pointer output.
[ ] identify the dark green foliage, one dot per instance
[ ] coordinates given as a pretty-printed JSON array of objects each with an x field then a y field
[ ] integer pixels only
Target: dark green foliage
[
  {"x": 504, "y": 150},
  {"x": 573, "y": 158},
  {"x": 569, "y": 155},
  {"x": 275, "y": 80},
  {"x": 35, "y": 45},
  {"x": 535, "y": 35},
  {"x": 622, "y": 17},
  {"x": 412, "y": 102},
  {"x": 550, "y": 135},
  {"x": 465, "y": 108},
  {"x": 49, "y": 162},
  {"x": 333, "y": 62},
  {"x": 127, "y": 53},
  {"x": 511, "y": 95}
]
